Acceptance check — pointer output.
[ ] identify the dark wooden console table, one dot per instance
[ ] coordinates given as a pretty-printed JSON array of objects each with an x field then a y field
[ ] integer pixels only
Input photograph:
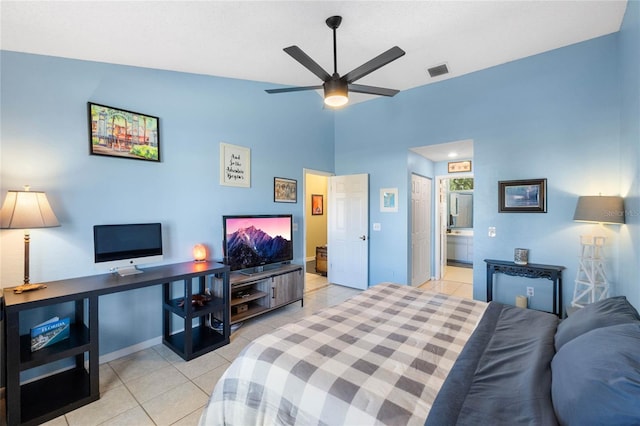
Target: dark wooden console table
[
  {"x": 531, "y": 270},
  {"x": 44, "y": 399}
]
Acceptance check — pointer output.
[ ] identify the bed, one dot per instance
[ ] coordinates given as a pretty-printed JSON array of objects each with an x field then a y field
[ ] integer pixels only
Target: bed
[{"x": 397, "y": 355}]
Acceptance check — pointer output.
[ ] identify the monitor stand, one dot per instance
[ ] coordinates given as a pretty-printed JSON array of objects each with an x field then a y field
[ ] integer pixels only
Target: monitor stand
[{"x": 128, "y": 270}]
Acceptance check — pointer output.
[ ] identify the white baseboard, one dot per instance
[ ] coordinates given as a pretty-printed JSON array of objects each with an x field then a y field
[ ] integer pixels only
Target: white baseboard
[
  {"x": 309, "y": 259},
  {"x": 129, "y": 350}
]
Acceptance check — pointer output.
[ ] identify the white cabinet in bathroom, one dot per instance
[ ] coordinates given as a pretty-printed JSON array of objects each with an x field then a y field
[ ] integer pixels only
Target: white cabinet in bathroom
[{"x": 460, "y": 248}]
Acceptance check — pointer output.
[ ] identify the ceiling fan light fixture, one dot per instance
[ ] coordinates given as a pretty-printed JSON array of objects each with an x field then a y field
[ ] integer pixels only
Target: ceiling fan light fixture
[
  {"x": 336, "y": 88},
  {"x": 335, "y": 93}
]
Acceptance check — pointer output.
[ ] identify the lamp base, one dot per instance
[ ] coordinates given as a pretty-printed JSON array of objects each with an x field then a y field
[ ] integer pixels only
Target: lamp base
[
  {"x": 28, "y": 287},
  {"x": 591, "y": 284}
]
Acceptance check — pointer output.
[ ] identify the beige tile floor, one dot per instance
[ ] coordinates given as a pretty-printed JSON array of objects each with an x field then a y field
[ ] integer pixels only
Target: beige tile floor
[
  {"x": 157, "y": 387},
  {"x": 456, "y": 281}
]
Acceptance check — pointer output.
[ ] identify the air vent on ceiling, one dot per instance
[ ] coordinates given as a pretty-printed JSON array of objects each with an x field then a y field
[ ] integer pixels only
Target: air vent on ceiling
[{"x": 438, "y": 70}]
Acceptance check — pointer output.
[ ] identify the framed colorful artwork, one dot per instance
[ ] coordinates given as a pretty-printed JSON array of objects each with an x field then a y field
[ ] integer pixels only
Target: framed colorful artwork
[
  {"x": 115, "y": 132},
  {"x": 389, "y": 200},
  {"x": 317, "y": 204},
  {"x": 285, "y": 190}
]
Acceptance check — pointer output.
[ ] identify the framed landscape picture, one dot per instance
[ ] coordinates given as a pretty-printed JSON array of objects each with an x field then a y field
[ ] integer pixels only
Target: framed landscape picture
[
  {"x": 115, "y": 132},
  {"x": 522, "y": 196}
]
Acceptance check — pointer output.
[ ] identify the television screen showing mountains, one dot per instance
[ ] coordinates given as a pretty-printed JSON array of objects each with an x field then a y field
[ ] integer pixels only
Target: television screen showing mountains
[{"x": 256, "y": 241}]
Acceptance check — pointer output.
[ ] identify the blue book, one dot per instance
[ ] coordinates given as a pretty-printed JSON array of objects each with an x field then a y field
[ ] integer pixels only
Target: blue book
[{"x": 49, "y": 332}]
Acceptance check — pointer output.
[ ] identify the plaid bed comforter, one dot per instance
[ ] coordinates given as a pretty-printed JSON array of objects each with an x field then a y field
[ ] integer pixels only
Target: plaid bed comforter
[{"x": 377, "y": 358}]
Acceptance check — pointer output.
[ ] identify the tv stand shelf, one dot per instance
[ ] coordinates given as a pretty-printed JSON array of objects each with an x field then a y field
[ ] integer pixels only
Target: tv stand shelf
[
  {"x": 264, "y": 291},
  {"x": 248, "y": 298},
  {"x": 49, "y": 397}
]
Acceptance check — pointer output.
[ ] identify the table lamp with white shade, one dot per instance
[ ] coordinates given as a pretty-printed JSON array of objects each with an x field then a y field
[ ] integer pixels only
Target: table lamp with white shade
[{"x": 27, "y": 210}]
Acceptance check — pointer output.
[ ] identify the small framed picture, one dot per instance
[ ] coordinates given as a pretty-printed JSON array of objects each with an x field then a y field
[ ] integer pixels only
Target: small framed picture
[
  {"x": 522, "y": 196},
  {"x": 459, "y": 166},
  {"x": 115, "y": 132},
  {"x": 389, "y": 200},
  {"x": 317, "y": 205},
  {"x": 285, "y": 190}
]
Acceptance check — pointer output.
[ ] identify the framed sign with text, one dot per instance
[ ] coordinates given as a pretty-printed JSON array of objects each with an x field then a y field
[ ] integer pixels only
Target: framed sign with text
[{"x": 235, "y": 165}]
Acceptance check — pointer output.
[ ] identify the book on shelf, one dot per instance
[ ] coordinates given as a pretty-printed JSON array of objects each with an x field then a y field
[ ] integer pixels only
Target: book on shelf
[{"x": 49, "y": 332}]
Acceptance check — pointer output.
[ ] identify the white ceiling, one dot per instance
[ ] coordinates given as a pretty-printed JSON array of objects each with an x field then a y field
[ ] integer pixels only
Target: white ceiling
[
  {"x": 449, "y": 151},
  {"x": 244, "y": 39}
]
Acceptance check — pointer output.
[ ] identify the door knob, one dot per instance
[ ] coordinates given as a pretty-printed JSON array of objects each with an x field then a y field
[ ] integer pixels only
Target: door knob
[{"x": 363, "y": 238}]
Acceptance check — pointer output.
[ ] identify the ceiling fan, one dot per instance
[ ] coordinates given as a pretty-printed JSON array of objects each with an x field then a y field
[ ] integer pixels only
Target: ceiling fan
[{"x": 336, "y": 88}]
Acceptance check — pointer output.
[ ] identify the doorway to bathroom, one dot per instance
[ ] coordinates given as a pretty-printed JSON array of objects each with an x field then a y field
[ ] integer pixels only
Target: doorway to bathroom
[{"x": 454, "y": 228}]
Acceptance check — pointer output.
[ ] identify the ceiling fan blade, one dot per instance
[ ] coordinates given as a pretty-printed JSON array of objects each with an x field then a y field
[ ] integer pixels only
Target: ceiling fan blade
[
  {"x": 372, "y": 90},
  {"x": 293, "y": 89},
  {"x": 296, "y": 53},
  {"x": 372, "y": 65}
]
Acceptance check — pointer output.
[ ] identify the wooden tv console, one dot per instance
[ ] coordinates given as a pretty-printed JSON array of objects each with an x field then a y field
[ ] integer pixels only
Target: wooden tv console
[{"x": 261, "y": 292}]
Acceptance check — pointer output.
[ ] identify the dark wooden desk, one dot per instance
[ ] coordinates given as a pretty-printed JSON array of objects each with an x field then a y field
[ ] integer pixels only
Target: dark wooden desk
[
  {"x": 531, "y": 270},
  {"x": 44, "y": 399}
]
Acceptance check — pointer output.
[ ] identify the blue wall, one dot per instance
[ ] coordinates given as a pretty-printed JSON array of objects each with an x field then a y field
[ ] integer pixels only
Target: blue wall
[
  {"x": 554, "y": 115},
  {"x": 45, "y": 144},
  {"x": 569, "y": 115}
]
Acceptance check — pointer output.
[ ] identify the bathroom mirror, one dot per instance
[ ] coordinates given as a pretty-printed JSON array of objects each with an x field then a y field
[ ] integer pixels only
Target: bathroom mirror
[{"x": 460, "y": 210}]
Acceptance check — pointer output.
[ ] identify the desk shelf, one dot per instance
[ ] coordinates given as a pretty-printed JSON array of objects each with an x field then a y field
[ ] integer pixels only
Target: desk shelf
[
  {"x": 173, "y": 305},
  {"x": 203, "y": 340},
  {"x": 55, "y": 395},
  {"x": 78, "y": 343},
  {"x": 192, "y": 341}
]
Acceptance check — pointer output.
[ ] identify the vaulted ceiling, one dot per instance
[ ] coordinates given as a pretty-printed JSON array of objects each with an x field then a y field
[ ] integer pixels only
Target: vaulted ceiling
[{"x": 244, "y": 39}]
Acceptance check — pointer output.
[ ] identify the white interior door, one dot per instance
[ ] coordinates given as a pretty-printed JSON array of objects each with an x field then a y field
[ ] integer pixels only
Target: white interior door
[
  {"x": 420, "y": 229},
  {"x": 348, "y": 231},
  {"x": 441, "y": 225}
]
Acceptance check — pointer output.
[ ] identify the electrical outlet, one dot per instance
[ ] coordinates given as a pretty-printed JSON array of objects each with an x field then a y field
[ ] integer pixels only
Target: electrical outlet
[{"x": 530, "y": 291}]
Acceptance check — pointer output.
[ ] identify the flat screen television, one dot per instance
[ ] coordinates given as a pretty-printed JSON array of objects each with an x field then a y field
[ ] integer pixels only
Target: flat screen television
[
  {"x": 119, "y": 248},
  {"x": 252, "y": 242}
]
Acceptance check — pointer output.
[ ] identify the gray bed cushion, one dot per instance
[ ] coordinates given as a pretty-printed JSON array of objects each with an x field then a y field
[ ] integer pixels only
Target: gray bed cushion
[
  {"x": 607, "y": 312},
  {"x": 596, "y": 377}
]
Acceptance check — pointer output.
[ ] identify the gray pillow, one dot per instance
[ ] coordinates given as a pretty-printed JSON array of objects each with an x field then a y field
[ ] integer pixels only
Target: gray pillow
[
  {"x": 607, "y": 312},
  {"x": 596, "y": 377}
]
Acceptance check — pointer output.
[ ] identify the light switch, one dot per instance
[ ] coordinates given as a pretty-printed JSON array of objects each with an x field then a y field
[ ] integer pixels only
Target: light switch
[
  {"x": 492, "y": 232},
  {"x": 377, "y": 227},
  {"x": 295, "y": 226}
]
